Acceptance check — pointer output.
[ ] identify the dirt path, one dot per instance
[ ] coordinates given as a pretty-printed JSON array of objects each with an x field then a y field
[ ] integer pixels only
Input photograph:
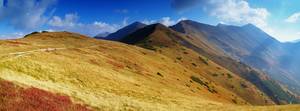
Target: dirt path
[
  {"x": 18, "y": 54},
  {"x": 24, "y": 53}
]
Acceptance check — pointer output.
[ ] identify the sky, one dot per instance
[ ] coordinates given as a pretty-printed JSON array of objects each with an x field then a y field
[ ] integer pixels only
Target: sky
[{"x": 279, "y": 18}]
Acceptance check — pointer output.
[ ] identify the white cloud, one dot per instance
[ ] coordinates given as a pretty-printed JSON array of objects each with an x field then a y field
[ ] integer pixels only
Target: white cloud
[
  {"x": 293, "y": 18},
  {"x": 25, "y": 14},
  {"x": 71, "y": 23},
  {"x": 148, "y": 22},
  {"x": 70, "y": 20},
  {"x": 234, "y": 12},
  {"x": 237, "y": 12},
  {"x": 167, "y": 21},
  {"x": 12, "y": 35}
]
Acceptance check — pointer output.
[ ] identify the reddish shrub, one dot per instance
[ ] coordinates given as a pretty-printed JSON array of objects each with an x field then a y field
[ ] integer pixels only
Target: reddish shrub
[
  {"x": 115, "y": 64},
  {"x": 15, "y": 98},
  {"x": 17, "y": 42}
]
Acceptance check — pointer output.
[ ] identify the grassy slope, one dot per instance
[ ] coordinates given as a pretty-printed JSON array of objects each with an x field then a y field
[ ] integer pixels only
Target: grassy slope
[
  {"x": 168, "y": 42},
  {"x": 108, "y": 75},
  {"x": 199, "y": 40},
  {"x": 210, "y": 70}
]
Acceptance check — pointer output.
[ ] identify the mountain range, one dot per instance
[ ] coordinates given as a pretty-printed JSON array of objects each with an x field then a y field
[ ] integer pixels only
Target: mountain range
[
  {"x": 189, "y": 66},
  {"x": 245, "y": 50}
]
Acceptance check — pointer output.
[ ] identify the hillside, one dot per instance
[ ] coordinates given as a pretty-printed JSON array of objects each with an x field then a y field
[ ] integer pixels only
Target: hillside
[
  {"x": 247, "y": 44},
  {"x": 167, "y": 42},
  {"x": 103, "y": 75},
  {"x": 164, "y": 40}
]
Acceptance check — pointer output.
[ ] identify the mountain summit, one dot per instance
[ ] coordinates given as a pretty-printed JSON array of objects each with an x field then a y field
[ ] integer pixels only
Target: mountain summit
[
  {"x": 124, "y": 31},
  {"x": 208, "y": 41}
]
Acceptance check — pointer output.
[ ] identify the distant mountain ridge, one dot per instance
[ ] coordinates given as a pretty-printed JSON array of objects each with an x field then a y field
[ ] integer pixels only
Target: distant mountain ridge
[
  {"x": 226, "y": 44},
  {"x": 142, "y": 38},
  {"x": 248, "y": 44},
  {"x": 102, "y": 35},
  {"x": 123, "y": 32}
]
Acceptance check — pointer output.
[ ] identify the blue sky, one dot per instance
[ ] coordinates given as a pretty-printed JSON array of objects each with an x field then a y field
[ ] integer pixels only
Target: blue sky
[{"x": 279, "y": 18}]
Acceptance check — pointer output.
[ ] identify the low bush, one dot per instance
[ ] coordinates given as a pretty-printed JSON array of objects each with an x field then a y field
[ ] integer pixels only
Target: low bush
[
  {"x": 215, "y": 74},
  {"x": 243, "y": 85},
  {"x": 15, "y": 98},
  {"x": 204, "y": 60},
  {"x": 159, "y": 74},
  {"x": 199, "y": 81},
  {"x": 179, "y": 58},
  {"x": 148, "y": 46},
  {"x": 194, "y": 64},
  {"x": 229, "y": 76}
]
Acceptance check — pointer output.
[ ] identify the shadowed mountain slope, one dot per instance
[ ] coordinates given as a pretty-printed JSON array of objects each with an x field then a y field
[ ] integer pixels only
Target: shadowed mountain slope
[
  {"x": 247, "y": 44},
  {"x": 123, "y": 32},
  {"x": 162, "y": 39}
]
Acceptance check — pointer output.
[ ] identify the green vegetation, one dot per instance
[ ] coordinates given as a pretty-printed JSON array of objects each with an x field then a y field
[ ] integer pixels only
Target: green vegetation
[
  {"x": 148, "y": 46},
  {"x": 194, "y": 64},
  {"x": 243, "y": 85},
  {"x": 229, "y": 76},
  {"x": 205, "y": 84},
  {"x": 234, "y": 101},
  {"x": 159, "y": 74},
  {"x": 196, "y": 79},
  {"x": 179, "y": 58},
  {"x": 281, "y": 95},
  {"x": 204, "y": 60},
  {"x": 215, "y": 74}
]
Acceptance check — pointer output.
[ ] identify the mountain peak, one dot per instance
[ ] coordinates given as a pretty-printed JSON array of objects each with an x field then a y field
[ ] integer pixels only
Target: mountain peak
[
  {"x": 118, "y": 35},
  {"x": 137, "y": 23},
  {"x": 187, "y": 22},
  {"x": 249, "y": 25},
  {"x": 221, "y": 25},
  {"x": 159, "y": 26}
]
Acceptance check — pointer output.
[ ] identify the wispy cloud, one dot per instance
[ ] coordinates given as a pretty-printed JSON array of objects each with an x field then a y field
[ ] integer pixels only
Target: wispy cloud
[
  {"x": 70, "y": 22},
  {"x": 12, "y": 35},
  {"x": 167, "y": 21},
  {"x": 25, "y": 14},
  {"x": 293, "y": 18},
  {"x": 228, "y": 11},
  {"x": 237, "y": 12}
]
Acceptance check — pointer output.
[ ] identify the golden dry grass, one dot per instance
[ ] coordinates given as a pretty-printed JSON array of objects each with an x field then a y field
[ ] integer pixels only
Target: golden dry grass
[{"x": 111, "y": 76}]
